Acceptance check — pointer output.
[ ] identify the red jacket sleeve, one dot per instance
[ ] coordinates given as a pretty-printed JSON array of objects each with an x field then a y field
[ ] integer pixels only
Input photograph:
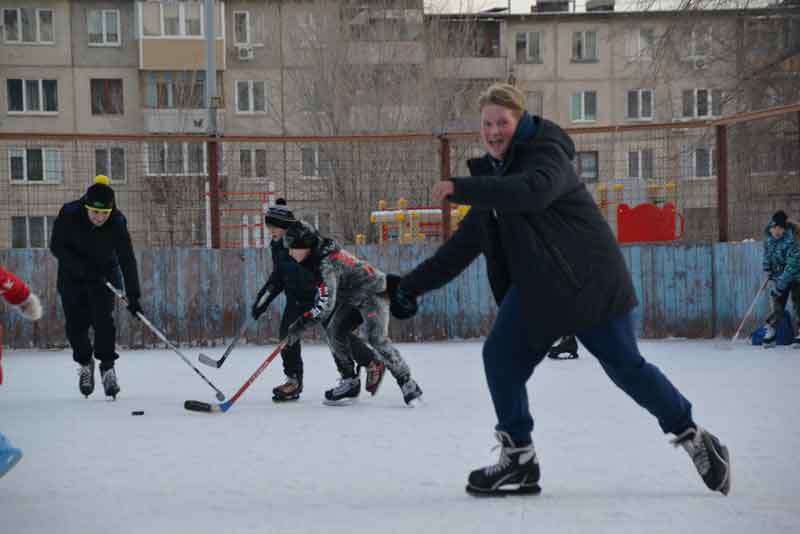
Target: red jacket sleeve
[{"x": 14, "y": 290}]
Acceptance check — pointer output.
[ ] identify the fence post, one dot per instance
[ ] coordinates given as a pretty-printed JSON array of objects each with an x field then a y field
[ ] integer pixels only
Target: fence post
[
  {"x": 213, "y": 190},
  {"x": 722, "y": 181},
  {"x": 444, "y": 153}
]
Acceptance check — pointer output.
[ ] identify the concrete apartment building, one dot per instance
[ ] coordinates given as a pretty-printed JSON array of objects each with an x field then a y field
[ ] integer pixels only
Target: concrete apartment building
[{"x": 296, "y": 67}]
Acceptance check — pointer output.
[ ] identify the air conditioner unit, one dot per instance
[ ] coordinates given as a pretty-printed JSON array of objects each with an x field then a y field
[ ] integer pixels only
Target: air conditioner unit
[{"x": 245, "y": 53}]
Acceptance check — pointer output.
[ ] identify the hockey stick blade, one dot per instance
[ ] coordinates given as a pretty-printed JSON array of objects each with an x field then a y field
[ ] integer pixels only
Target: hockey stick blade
[
  {"x": 198, "y": 406},
  {"x": 208, "y": 360}
]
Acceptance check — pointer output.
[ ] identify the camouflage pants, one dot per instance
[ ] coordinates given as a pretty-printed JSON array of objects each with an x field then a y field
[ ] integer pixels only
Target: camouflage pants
[
  {"x": 375, "y": 311},
  {"x": 777, "y": 305}
]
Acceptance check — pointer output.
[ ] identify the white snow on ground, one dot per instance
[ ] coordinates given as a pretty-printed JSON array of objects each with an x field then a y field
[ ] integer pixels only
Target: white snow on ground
[{"x": 379, "y": 467}]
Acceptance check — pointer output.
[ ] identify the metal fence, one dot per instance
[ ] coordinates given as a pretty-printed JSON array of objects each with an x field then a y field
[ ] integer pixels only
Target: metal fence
[{"x": 698, "y": 181}]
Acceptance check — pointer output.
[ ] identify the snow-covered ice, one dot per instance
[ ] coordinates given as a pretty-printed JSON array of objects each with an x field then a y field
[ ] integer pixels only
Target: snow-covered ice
[{"x": 379, "y": 467}]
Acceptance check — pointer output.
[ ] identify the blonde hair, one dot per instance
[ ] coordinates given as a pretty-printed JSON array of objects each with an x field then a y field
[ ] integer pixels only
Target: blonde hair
[{"x": 505, "y": 95}]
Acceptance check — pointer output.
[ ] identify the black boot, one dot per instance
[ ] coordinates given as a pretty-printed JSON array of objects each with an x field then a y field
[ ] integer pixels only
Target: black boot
[
  {"x": 566, "y": 345},
  {"x": 710, "y": 457},
  {"x": 289, "y": 390},
  {"x": 515, "y": 473}
]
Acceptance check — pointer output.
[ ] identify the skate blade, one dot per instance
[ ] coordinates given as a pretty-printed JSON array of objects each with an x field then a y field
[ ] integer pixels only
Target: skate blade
[
  {"x": 281, "y": 400},
  {"x": 341, "y": 402},
  {"x": 504, "y": 492}
]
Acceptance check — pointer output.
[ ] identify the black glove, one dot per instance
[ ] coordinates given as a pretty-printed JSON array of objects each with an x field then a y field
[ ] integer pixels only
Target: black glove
[
  {"x": 262, "y": 302},
  {"x": 133, "y": 305},
  {"x": 297, "y": 328},
  {"x": 402, "y": 304},
  {"x": 776, "y": 293}
]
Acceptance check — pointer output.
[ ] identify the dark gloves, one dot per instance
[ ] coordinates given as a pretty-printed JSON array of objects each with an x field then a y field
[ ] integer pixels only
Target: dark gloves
[
  {"x": 776, "y": 293},
  {"x": 133, "y": 305},
  {"x": 263, "y": 300},
  {"x": 297, "y": 328},
  {"x": 402, "y": 304}
]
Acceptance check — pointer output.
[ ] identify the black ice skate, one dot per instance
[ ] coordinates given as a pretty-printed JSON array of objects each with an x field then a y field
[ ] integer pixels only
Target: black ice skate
[
  {"x": 710, "y": 457},
  {"x": 375, "y": 372},
  {"x": 566, "y": 345},
  {"x": 770, "y": 336},
  {"x": 289, "y": 390},
  {"x": 86, "y": 379},
  {"x": 515, "y": 473},
  {"x": 346, "y": 392},
  {"x": 412, "y": 393},
  {"x": 110, "y": 386}
]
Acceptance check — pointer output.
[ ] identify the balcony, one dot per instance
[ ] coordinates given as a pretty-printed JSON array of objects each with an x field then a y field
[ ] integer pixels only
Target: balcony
[
  {"x": 177, "y": 54},
  {"x": 189, "y": 121}
]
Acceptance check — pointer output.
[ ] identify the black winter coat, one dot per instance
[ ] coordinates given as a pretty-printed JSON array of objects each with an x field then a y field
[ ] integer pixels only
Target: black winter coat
[
  {"x": 299, "y": 283},
  {"x": 541, "y": 231},
  {"x": 85, "y": 252}
]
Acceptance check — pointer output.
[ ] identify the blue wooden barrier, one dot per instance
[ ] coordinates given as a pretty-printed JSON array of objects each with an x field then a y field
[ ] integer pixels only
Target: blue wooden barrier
[{"x": 201, "y": 296}]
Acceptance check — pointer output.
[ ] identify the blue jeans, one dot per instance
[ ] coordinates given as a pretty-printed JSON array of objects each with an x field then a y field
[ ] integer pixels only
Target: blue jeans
[{"x": 509, "y": 358}]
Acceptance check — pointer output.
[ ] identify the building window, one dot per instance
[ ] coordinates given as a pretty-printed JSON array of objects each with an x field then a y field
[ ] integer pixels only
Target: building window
[
  {"x": 699, "y": 162},
  {"x": 110, "y": 161},
  {"x": 172, "y": 19},
  {"x": 176, "y": 89},
  {"x": 32, "y": 231},
  {"x": 174, "y": 157},
  {"x": 584, "y": 46},
  {"x": 640, "y": 44},
  {"x": 640, "y": 164},
  {"x": 32, "y": 96},
  {"x": 28, "y": 25},
  {"x": 699, "y": 41},
  {"x": 584, "y": 106},
  {"x": 253, "y": 163},
  {"x": 533, "y": 101},
  {"x": 36, "y": 165},
  {"x": 103, "y": 27},
  {"x": 251, "y": 96},
  {"x": 106, "y": 97},
  {"x": 702, "y": 103},
  {"x": 529, "y": 47},
  {"x": 640, "y": 104},
  {"x": 586, "y": 165},
  {"x": 315, "y": 163},
  {"x": 241, "y": 27}
]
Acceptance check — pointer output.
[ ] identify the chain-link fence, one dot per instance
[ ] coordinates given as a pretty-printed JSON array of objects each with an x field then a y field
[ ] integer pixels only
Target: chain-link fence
[{"x": 698, "y": 181}]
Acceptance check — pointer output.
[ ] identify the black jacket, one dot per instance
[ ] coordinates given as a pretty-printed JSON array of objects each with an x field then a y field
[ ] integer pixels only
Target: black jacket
[
  {"x": 299, "y": 283},
  {"x": 85, "y": 252},
  {"x": 541, "y": 231}
]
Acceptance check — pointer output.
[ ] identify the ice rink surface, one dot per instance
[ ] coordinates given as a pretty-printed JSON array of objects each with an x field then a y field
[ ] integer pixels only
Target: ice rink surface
[{"x": 90, "y": 467}]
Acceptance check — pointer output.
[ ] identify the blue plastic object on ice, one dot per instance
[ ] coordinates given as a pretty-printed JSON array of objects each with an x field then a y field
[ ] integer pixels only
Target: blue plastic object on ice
[
  {"x": 785, "y": 334},
  {"x": 9, "y": 456}
]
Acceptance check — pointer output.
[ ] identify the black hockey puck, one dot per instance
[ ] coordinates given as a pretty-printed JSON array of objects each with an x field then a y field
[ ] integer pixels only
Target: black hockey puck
[{"x": 137, "y": 412}]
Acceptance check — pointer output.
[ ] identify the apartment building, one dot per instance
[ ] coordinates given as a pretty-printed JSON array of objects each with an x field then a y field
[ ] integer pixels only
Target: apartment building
[{"x": 332, "y": 67}]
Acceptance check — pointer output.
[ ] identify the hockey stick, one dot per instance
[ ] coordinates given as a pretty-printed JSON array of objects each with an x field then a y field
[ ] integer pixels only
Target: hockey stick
[
  {"x": 749, "y": 311},
  {"x": 162, "y": 337},
  {"x": 198, "y": 406},
  {"x": 211, "y": 362}
]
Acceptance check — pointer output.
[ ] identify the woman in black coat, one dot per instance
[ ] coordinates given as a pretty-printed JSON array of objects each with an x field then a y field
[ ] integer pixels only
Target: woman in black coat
[{"x": 555, "y": 269}]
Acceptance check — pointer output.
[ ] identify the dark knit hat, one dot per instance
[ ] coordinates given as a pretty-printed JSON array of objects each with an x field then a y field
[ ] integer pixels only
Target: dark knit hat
[
  {"x": 99, "y": 196},
  {"x": 279, "y": 215},
  {"x": 779, "y": 219},
  {"x": 298, "y": 235}
]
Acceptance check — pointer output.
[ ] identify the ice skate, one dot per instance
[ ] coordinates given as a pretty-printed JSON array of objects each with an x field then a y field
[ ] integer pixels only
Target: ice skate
[
  {"x": 515, "y": 473},
  {"x": 345, "y": 393},
  {"x": 289, "y": 390},
  {"x": 770, "y": 336},
  {"x": 86, "y": 379},
  {"x": 375, "y": 372},
  {"x": 412, "y": 393},
  {"x": 568, "y": 346},
  {"x": 710, "y": 457},
  {"x": 110, "y": 386}
]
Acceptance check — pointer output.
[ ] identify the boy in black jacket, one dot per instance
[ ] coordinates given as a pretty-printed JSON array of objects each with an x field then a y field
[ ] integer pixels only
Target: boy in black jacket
[
  {"x": 91, "y": 242},
  {"x": 300, "y": 286}
]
